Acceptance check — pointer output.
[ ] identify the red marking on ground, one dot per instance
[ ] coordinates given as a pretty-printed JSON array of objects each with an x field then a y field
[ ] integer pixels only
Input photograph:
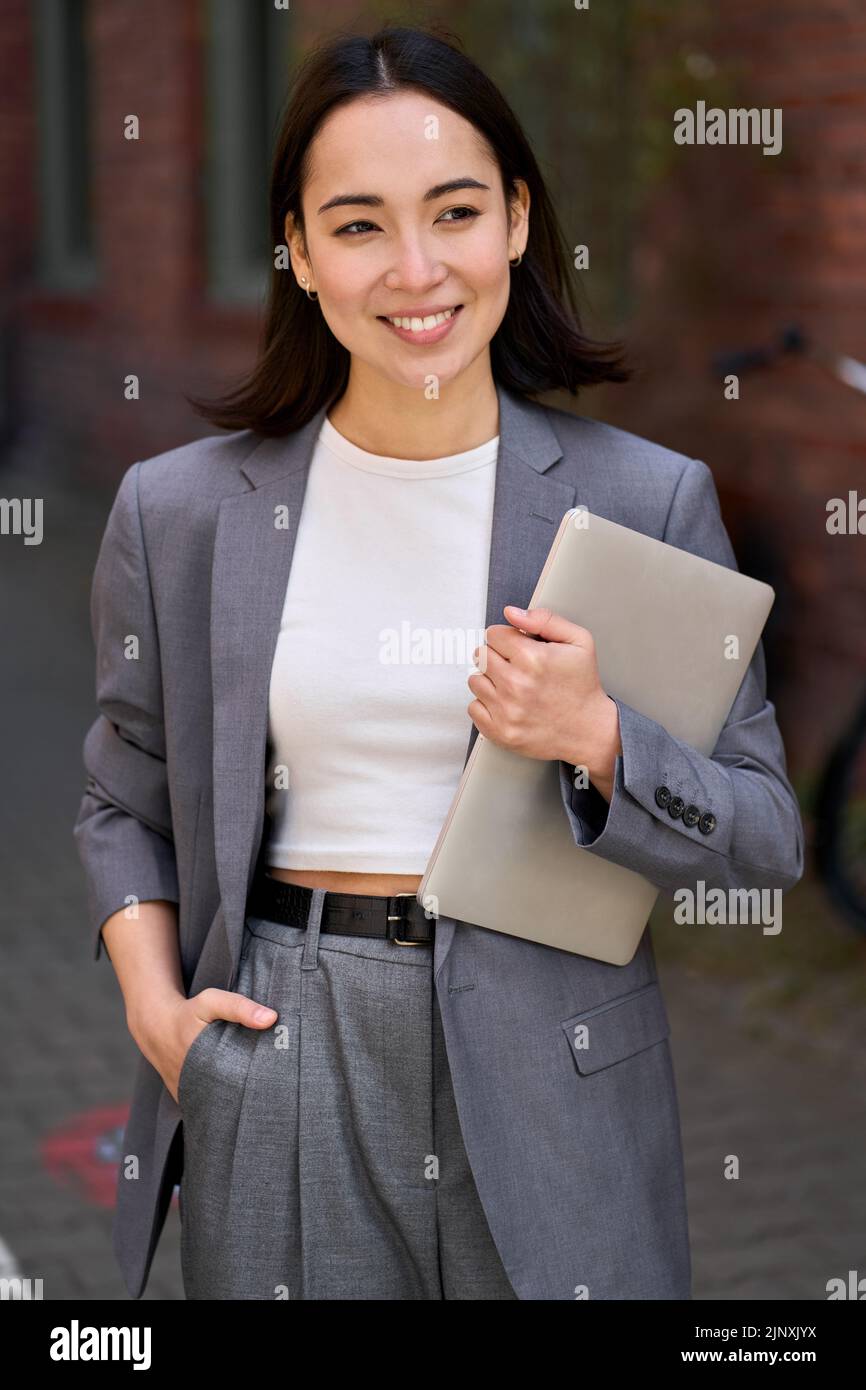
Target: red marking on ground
[{"x": 84, "y": 1153}]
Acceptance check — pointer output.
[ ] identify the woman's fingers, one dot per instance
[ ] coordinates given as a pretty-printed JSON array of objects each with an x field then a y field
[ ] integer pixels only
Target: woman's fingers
[
  {"x": 211, "y": 1004},
  {"x": 235, "y": 1008}
]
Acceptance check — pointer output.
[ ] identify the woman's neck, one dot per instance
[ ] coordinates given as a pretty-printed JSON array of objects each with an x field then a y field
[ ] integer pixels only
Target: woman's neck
[{"x": 399, "y": 422}]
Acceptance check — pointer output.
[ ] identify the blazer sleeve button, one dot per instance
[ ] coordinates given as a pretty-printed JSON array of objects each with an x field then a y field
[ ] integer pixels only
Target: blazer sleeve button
[
  {"x": 663, "y": 796},
  {"x": 707, "y": 823},
  {"x": 676, "y": 805},
  {"x": 691, "y": 815}
]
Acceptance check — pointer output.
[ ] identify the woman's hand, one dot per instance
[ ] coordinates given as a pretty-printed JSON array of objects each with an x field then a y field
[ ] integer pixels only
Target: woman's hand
[
  {"x": 166, "y": 1033},
  {"x": 544, "y": 699}
]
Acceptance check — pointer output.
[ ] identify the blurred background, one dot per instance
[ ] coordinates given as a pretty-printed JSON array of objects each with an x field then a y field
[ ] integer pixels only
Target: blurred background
[{"x": 150, "y": 257}]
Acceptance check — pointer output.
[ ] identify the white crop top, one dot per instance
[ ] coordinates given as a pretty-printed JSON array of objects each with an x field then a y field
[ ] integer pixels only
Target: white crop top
[{"x": 385, "y": 604}]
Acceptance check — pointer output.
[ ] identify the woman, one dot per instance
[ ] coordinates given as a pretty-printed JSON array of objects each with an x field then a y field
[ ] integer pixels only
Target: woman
[{"x": 377, "y": 1103}]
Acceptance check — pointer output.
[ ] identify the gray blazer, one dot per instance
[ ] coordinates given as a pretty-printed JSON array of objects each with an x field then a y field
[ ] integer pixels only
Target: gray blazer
[{"x": 576, "y": 1152}]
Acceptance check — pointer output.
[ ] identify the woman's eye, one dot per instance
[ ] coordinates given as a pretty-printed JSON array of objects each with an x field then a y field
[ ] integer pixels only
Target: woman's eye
[
  {"x": 470, "y": 213},
  {"x": 359, "y": 228},
  {"x": 342, "y": 231}
]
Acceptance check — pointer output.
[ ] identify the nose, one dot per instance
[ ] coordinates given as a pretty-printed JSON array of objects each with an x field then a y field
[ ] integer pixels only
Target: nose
[{"x": 416, "y": 266}]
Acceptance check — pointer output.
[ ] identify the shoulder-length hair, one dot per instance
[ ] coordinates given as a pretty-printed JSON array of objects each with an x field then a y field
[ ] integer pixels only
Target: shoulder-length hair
[{"x": 301, "y": 365}]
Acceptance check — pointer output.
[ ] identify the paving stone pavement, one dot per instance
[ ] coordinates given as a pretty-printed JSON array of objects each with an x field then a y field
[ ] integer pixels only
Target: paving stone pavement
[{"x": 795, "y": 1217}]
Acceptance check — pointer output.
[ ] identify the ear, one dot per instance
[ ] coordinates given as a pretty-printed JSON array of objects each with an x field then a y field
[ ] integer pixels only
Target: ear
[
  {"x": 519, "y": 210},
  {"x": 297, "y": 250}
]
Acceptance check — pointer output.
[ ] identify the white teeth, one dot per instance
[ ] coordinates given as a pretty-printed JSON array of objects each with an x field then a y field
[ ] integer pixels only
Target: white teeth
[{"x": 416, "y": 325}]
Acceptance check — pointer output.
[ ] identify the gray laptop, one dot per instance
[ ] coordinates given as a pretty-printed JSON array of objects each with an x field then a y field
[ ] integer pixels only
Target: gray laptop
[{"x": 662, "y": 619}]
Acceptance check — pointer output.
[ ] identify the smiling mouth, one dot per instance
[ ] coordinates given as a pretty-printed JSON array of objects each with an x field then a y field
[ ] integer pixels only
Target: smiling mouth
[{"x": 420, "y": 325}]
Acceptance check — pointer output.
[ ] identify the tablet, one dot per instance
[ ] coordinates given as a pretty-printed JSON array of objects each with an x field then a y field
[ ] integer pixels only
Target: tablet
[{"x": 666, "y": 624}]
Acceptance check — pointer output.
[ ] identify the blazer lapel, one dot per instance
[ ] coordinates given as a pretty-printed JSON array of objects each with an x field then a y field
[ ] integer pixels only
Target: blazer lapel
[
  {"x": 253, "y": 548},
  {"x": 527, "y": 509}
]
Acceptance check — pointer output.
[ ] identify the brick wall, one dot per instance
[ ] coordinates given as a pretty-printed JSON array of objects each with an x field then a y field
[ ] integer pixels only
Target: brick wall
[{"x": 733, "y": 247}]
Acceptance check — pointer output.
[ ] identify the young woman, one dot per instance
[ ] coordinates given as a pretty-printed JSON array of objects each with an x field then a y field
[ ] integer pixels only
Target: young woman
[{"x": 367, "y": 1101}]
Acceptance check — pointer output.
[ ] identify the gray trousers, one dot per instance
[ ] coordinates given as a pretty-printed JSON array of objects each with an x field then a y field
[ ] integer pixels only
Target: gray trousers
[{"x": 323, "y": 1157}]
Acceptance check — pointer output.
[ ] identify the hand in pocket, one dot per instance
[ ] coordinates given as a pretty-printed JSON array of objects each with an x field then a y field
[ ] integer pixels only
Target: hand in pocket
[{"x": 167, "y": 1051}]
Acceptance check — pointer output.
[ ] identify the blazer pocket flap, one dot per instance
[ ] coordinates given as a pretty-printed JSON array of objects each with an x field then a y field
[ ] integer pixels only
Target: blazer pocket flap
[{"x": 599, "y": 1037}]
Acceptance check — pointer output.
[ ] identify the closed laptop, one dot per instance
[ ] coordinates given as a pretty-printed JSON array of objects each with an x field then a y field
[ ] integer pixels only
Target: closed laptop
[{"x": 663, "y": 621}]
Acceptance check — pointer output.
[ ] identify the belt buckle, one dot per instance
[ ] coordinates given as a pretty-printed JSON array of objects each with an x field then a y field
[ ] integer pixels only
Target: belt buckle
[{"x": 398, "y": 918}]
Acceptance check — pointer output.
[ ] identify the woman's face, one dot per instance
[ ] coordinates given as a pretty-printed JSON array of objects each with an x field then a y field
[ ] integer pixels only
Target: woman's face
[{"x": 403, "y": 241}]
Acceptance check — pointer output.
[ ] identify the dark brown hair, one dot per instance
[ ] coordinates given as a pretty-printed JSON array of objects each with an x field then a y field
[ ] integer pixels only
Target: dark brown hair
[{"x": 301, "y": 366}]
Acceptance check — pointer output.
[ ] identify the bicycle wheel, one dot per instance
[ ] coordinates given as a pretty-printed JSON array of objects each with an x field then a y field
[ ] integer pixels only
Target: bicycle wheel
[{"x": 840, "y": 841}]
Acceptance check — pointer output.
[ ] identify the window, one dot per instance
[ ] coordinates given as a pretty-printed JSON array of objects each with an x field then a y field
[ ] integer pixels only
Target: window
[
  {"x": 248, "y": 56},
  {"x": 65, "y": 253}
]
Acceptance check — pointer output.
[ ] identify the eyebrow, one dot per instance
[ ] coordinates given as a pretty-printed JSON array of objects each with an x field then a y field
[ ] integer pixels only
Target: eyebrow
[{"x": 373, "y": 200}]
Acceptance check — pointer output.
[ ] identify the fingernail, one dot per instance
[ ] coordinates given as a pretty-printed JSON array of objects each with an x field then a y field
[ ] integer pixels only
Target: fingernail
[{"x": 262, "y": 1015}]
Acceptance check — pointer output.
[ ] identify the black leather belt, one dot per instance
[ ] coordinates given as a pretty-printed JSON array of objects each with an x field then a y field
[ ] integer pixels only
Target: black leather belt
[{"x": 399, "y": 918}]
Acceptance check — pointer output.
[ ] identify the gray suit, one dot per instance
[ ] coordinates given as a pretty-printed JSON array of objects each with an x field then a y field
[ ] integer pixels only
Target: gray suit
[{"x": 576, "y": 1153}]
